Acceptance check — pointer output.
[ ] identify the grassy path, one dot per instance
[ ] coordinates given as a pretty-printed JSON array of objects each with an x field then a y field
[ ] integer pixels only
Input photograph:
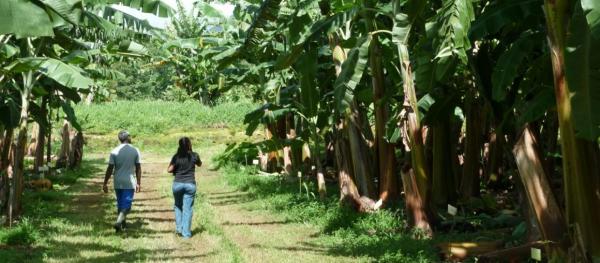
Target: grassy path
[
  {"x": 87, "y": 234},
  {"x": 260, "y": 235},
  {"x": 225, "y": 229}
]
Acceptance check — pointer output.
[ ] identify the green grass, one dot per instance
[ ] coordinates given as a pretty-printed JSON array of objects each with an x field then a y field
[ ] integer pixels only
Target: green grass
[
  {"x": 159, "y": 117},
  {"x": 380, "y": 237}
]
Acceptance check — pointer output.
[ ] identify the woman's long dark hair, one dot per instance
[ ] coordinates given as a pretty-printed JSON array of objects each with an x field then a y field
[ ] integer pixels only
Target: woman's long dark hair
[{"x": 184, "y": 152}]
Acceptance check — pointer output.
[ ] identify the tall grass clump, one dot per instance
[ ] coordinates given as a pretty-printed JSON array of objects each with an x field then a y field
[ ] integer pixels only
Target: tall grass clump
[
  {"x": 24, "y": 234},
  {"x": 159, "y": 117}
]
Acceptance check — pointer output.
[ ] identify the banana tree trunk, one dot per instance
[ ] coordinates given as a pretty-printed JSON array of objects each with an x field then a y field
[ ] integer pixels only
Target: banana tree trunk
[
  {"x": 415, "y": 178},
  {"x": 385, "y": 152},
  {"x": 18, "y": 179},
  {"x": 290, "y": 132},
  {"x": 279, "y": 131},
  {"x": 580, "y": 157},
  {"x": 388, "y": 182},
  {"x": 39, "y": 149},
  {"x": 76, "y": 154},
  {"x": 32, "y": 146},
  {"x": 353, "y": 127},
  {"x": 90, "y": 96},
  {"x": 348, "y": 190},
  {"x": 287, "y": 160},
  {"x": 550, "y": 133},
  {"x": 361, "y": 153},
  {"x": 49, "y": 142},
  {"x": 473, "y": 145},
  {"x": 539, "y": 193},
  {"x": 65, "y": 147},
  {"x": 415, "y": 205},
  {"x": 4, "y": 164},
  {"x": 321, "y": 187},
  {"x": 442, "y": 176},
  {"x": 7, "y": 140},
  {"x": 41, "y": 138},
  {"x": 306, "y": 157},
  {"x": 494, "y": 162}
]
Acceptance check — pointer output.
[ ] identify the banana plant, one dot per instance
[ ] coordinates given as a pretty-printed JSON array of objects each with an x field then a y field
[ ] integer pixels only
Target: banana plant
[
  {"x": 573, "y": 39},
  {"x": 46, "y": 61}
]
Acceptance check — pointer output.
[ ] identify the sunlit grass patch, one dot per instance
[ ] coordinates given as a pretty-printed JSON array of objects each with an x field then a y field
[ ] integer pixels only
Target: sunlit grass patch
[
  {"x": 159, "y": 117},
  {"x": 212, "y": 140}
]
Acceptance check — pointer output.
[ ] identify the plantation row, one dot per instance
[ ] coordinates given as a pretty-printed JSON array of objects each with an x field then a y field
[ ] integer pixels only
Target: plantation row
[
  {"x": 450, "y": 108},
  {"x": 454, "y": 108}
]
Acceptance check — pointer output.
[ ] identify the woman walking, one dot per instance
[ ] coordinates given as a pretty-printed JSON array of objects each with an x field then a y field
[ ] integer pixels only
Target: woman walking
[{"x": 183, "y": 166}]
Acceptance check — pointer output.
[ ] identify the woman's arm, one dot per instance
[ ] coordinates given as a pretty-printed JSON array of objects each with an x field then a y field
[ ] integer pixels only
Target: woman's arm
[
  {"x": 171, "y": 168},
  {"x": 198, "y": 161}
]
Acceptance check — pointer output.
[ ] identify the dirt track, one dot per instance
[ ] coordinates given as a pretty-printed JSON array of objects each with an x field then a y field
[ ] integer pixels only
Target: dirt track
[{"x": 224, "y": 228}]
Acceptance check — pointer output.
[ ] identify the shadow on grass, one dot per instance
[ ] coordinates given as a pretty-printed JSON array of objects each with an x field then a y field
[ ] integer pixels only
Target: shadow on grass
[
  {"x": 198, "y": 230},
  {"x": 257, "y": 223},
  {"x": 145, "y": 211},
  {"x": 303, "y": 248},
  {"x": 139, "y": 200},
  {"x": 227, "y": 198},
  {"x": 223, "y": 193}
]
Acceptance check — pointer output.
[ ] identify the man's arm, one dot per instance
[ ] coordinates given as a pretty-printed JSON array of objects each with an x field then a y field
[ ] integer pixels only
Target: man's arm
[
  {"x": 138, "y": 175},
  {"x": 109, "y": 171}
]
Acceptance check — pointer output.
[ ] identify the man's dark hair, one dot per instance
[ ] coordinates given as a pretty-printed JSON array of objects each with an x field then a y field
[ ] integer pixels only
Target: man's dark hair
[{"x": 124, "y": 136}]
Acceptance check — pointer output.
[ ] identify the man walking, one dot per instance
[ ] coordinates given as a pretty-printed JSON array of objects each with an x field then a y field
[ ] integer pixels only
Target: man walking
[{"x": 123, "y": 160}]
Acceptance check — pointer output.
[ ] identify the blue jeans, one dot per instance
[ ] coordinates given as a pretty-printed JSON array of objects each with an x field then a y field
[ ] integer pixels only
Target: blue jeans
[{"x": 184, "y": 195}]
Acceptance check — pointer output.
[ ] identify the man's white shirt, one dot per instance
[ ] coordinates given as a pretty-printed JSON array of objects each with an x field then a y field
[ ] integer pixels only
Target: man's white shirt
[{"x": 124, "y": 157}]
